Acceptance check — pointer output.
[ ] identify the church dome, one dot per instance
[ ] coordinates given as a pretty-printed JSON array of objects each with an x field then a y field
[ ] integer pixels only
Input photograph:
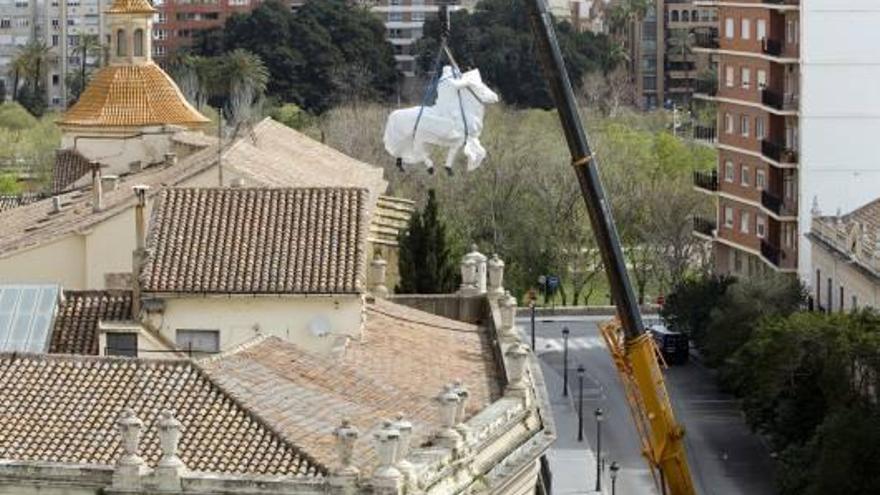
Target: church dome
[{"x": 132, "y": 96}]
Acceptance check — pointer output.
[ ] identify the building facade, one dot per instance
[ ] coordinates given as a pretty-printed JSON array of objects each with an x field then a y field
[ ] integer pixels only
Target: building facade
[
  {"x": 178, "y": 21},
  {"x": 18, "y": 25},
  {"x": 757, "y": 92},
  {"x": 845, "y": 259}
]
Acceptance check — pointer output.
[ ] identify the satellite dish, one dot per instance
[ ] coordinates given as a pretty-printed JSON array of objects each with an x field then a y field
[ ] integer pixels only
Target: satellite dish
[{"x": 319, "y": 326}]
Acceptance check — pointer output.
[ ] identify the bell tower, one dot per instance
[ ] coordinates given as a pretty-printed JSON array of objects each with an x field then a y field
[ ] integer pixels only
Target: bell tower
[{"x": 130, "y": 24}]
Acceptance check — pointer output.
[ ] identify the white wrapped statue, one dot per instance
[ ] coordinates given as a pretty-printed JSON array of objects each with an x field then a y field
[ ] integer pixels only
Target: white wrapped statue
[{"x": 454, "y": 122}]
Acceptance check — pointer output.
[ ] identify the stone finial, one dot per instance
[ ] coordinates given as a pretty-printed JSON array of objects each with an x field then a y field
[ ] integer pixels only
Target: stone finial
[
  {"x": 496, "y": 276},
  {"x": 346, "y": 435},
  {"x": 515, "y": 362},
  {"x": 815, "y": 211},
  {"x": 463, "y": 395},
  {"x": 507, "y": 309},
  {"x": 405, "y": 428},
  {"x": 449, "y": 401},
  {"x": 170, "y": 466},
  {"x": 479, "y": 277},
  {"x": 378, "y": 273},
  {"x": 130, "y": 466},
  {"x": 387, "y": 447},
  {"x": 468, "y": 277}
]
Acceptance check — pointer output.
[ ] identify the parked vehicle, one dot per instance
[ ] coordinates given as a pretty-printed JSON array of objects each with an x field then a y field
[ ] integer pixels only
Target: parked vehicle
[{"x": 673, "y": 345}]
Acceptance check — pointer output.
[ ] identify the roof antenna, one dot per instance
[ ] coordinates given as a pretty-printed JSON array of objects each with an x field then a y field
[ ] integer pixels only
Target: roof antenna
[{"x": 220, "y": 145}]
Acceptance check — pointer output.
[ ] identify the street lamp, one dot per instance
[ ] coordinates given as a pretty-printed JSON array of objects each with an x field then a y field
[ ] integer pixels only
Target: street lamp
[
  {"x": 599, "y": 416},
  {"x": 565, "y": 333},
  {"x": 614, "y": 469},
  {"x": 532, "y": 307},
  {"x": 581, "y": 403}
]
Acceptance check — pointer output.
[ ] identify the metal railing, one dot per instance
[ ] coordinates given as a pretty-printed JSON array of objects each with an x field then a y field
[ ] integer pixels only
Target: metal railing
[
  {"x": 708, "y": 134},
  {"x": 771, "y": 47},
  {"x": 778, "y": 152},
  {"x": 706, "y": 86},
  {"x": 706, "y": 180},
  {"x": 770, "y": 252},
  {"x": 706, "y": 40},
  {"x": 704, "y": 226},
  {"x": 771, "y": 201}
]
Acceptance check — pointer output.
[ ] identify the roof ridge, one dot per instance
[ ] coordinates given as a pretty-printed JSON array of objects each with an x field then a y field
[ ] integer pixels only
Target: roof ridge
[
  {"x": 248, "y": 344},
  {"x": 88, "y": 358},
  {"x": 233, "y": 397}
]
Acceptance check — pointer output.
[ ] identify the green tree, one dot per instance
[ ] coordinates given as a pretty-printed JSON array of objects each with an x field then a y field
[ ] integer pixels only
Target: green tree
[
  {"x": 292, "y": 116},
  {"x": 306, "y": 51},
  {"x": 245, "y": 78},
  {"x": 497, "y": 39},
  {"x": 688, "y": 307},
  {"x": 89, "y": 46},
  {"x": 8, "y": 184},
  {"x": 30, "y": 62},
  {"x": 426, "y": 265}
]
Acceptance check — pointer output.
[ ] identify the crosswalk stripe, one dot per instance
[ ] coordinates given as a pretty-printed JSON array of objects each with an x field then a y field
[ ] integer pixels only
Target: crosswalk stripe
[{"x": 544, "y": 344}]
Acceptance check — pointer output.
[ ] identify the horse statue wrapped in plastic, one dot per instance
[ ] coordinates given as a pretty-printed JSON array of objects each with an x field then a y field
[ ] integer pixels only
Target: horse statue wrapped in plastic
[{"x": 454, "y": 122}]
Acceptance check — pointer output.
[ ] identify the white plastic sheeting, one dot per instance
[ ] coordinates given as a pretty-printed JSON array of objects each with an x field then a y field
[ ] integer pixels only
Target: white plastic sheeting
[{"x": 454, "y": 122}]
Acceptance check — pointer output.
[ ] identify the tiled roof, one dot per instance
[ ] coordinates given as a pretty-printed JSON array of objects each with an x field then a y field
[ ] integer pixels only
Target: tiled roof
[
  {"x": 70, "y": 166},
  {"x": 400, "y": 365},
  {"x": 63, "y": 409},
  {"x": 76, "y": 324},
  {"x": 257, "y": 241},
  {"x": 36, "y": 224},
  {"x": 132, "y": 96},
  {"x": 274, "y": 155},
  {"x": 10, "y": 201},
  {"x": 130, "y": 7}
]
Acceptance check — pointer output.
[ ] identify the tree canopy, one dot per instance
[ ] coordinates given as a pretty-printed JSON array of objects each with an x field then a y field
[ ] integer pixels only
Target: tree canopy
[
  {"x": 426, "y": 265},
  {"x": 312, "y": 55},
  {"x": 497, "y": 39}
]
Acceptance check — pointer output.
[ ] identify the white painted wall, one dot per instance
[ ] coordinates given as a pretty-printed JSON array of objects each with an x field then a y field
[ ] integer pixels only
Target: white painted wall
[
  {"x": 60, "y": 262},
  {"x": 241, "y": 318},
  {"x": 109, "y": 149},
  {"x": 840, "y": 110},
  {"x": 842, "y": 274}
]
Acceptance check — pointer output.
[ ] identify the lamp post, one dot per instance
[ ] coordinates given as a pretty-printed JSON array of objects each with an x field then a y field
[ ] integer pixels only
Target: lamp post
[
  {"x": 614, "y": 469},
  {"x": 581, "y": 403},
  {"x": 532, "y": 308},
  {"x": 565, "y": 333},
  {"x": 599, "y": 416}
]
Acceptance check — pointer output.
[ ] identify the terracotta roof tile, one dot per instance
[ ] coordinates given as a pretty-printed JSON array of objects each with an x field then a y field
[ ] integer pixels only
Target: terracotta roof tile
[
  {"x": 70, "y": 166},
  {"x": 132, "y": 96},
  {"x": 400, "y": 365},
  {"x": 10, "y": 201},
  {"x": 257, "y": 241},
  {"x": 63, "y": 409},
  {"x": 76, "y": 324}
]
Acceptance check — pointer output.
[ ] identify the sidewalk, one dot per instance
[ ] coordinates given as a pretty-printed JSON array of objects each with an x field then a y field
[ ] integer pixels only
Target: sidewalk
[{"x": 572, "y": 463}]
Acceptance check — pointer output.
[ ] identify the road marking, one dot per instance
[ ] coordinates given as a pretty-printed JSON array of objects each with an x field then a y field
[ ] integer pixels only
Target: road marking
[{"x": 543, "y": 344}]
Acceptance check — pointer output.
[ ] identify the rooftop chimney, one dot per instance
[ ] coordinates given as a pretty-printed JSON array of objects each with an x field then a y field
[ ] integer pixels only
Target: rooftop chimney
[
  {"x": 170, "y": 159},
  {"x": 137, "y": 258},
  {"x": 109, "y": 182},
  {"x": 56, "y": 204},
  {"x": 97, "y": 188}
]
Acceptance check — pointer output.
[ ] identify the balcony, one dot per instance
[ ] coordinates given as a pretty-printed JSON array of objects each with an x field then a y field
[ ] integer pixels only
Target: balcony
[
  {"x": 778, "y": 152},
  {"x": 708, "y": 181},
  {"x": 707, "y": 87},
  {"x": 704, "y": 227},
  {"x": 775, "y": 100},
  {"x": 772, "y": 202},
  {"x": 771, "y": 47},
  {"x": 771, "y": 253},
  {"x": 705, "y": 134},
  {"x": 706, "y": 40}
]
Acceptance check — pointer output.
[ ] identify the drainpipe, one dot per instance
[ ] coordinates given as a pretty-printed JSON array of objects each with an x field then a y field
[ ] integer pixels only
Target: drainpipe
[
  {"x": 97, "y": 188},
  {"x": 137, "y": 259}
]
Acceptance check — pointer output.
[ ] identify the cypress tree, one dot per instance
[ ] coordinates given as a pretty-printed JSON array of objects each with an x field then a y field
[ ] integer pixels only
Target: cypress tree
[{"x": 425, "y": 263}]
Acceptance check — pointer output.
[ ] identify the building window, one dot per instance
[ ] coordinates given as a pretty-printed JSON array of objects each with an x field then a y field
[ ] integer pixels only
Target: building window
[
  {"x": 746, "y": 29},
  {"x": 762, "y": 79},
  {"x": 160, "y": 34},
  {"x": 759, "y": 128},
  {"x": 744, "y": 222},
  {"x": 728, "y": 123},
  {"x": 746, "y": 77},
  {"x": 728, "y": 171},
  {"x": 728, "y": 28},
  {"x": 761, "y": 29},
  {"x": 854, "y": 305},
  {"x": 761, "y": 226},
  {"x": 819, "y": 288},
  {"x": 760, "y": 179},
  {"x": 841, "y": 299},
  {"x": 55, "y": 39},
  {"x": 728, "y": 76},
  {"x": 395, "y": 16},
  {"x": 55, "y": 79},
  {"x": 788, "y": 186},
  {"x": 745, "y": 177},
  {"x": 728, "y": 217},
  {"x": 158, "y": 50},
  {"x": 5, "y": 23},
  {"x": 122, "y": 344},
  {"x": 201, "y": 341},
  {"x": 744, "y": 125},
  {"x": 685, "y": 16},
  {"x": 121, "y": 50},
  {"x": 674, "y": 16},
  {"x": 418, "y": 16},
  {"x": 138, "y": 43},
  {"x": 829, "y": 297},
  {"x": 788, "y": 235}
]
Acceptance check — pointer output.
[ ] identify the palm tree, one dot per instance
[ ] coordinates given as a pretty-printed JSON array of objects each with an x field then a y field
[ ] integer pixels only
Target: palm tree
[
  {"x": 16, "y": 69},
  {"x": 35, "y": 55},
  {"x": 682, "y": 42},
  {"x": 246, "y": 77},
  {"x": 89, "y": 46}
]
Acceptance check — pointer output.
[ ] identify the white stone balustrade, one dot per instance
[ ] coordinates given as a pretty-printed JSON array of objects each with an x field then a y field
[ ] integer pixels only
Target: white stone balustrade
[{"x": 496, "y": 277}]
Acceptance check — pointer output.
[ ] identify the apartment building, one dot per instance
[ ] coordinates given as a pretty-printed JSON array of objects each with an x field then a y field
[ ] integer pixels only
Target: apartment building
[
  {"x": 62, "y": 27},
  {"x": 178, "y": 21},
  {"x": 664, "y": 63},
  {"x": 17, "y": 27},
  {"x": 797, "y": 124}
]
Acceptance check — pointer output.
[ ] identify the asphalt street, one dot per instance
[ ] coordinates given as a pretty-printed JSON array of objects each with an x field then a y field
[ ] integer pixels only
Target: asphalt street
[{"x": 724, "y": 456}]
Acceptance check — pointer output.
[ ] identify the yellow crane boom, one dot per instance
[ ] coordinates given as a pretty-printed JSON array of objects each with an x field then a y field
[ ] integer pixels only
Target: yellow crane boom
[{"x": 632, "y": 349}]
